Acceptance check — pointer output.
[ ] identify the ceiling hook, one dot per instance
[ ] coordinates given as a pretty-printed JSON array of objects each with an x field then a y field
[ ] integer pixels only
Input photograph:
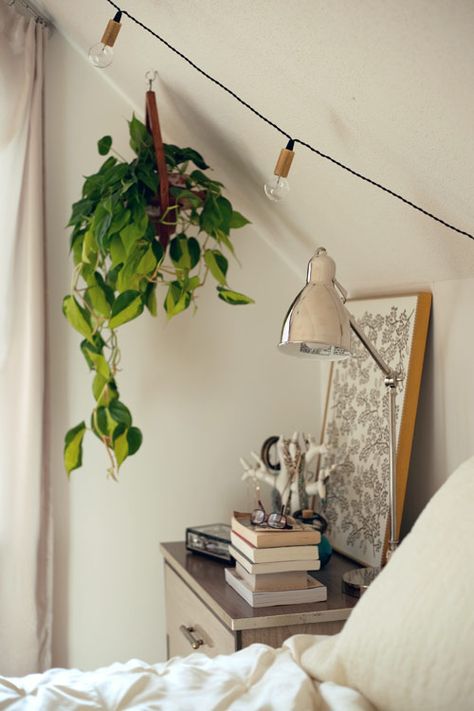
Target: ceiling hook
[{"x": 151, "y": 76}]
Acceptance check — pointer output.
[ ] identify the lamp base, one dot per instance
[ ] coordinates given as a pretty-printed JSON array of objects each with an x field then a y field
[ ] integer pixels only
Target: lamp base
[{"x": 355, "y": 582}]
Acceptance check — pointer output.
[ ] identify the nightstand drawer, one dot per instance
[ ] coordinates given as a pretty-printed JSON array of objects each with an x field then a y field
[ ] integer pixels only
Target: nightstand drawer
[{"x": 190, "y": 625}]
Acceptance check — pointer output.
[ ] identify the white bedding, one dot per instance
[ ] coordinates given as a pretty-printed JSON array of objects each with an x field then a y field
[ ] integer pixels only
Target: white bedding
[
  {"x": 407, "y": 646},
  {"x": 258, "y": 677}
]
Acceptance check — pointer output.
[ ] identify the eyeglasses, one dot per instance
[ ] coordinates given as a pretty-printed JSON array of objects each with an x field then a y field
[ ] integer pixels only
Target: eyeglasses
[{"x": 274, "y": 520}]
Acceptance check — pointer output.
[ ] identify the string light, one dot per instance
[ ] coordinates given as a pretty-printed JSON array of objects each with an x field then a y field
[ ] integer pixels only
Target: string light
[
  {"x": 277, "y": 187},
  {"x": 293, "y": 141},
  {"x": 101, "y": 54}
]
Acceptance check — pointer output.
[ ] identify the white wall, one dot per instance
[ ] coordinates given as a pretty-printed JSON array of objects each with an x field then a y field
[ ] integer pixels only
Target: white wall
[
  {"x": 204, "y": 390},
  {"x": 444, "y": 435},
  {"x": 369, "y": 83}
]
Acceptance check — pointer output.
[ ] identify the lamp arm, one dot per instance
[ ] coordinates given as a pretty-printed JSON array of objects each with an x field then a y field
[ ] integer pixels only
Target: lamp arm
[
  {"x": 386, "y": 370},
  {"x": 391, "y": 380}
]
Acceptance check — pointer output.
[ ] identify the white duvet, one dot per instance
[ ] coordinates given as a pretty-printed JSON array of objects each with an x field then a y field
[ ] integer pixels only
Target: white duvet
[{"x": 258, "y": 677}]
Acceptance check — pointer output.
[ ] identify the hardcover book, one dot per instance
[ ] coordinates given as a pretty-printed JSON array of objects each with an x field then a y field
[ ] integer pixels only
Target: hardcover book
[
  {"x": 273, "y": 566},
  {"x": 313, "y": 592},
  {"x": 267, "y": 555},
  {"x": 265, "y": 537}
]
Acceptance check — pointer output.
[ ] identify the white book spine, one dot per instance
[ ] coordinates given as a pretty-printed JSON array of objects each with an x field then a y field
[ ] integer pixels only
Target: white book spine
[
  {"x": 273, "y": 567},
  {"x": 269, "y": 555}
]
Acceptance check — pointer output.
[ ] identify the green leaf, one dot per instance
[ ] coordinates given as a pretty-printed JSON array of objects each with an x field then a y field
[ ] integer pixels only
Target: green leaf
[
  {"x": 102, "y": 424},
  {"x": 233, "y": 297},
  {"x": 130, "y": 234},
  {"x": 140, "y": 217},
  {"x": 120, "y": 413},
  {"x": 201, "y": 179},
  {"x": 117, "y": 251},
  {"x": 73, "y": 447},
  {"x": 119, "y": 430},
  {"x": 104, "y": 390},
  {"x": 177, "y": 299},
  {"x": 100, "y": 365},
  {"x": 120, "y": 445},
  {"x": 80, "y": 210},
  {"x": 106, "y": 167},
  {"x": 129, "y": 278},
  {"x": 158, "y": 251},
  {"x": 210, "y": 217},
  {"x": 184, "y": 252},
  {"x": 150, "y": 298},
  {"x": 77, "y": 316},
  {"x": 134, "y": 438},
  {"x": 192, "y": 283},
  {"x": 102, "y": 221},
  {"x": 89, "y": 248},
  {"x": 139, "y": 136},
  {"x": 94, "y": 347},
  {"x": 121, "y": 217},
  {"x": 127, "y": 306},
  {"x": 147, "y": 263},
  {"x": 225, "y": 211},
  {"x": 225, "y": 239},
  {"x": 177, "y": 155},
  {"x": 104, "y": 145},
  {"x": 112, "y": 276},
  {"x": 109, "y": 393},
  {"x": 237, "y": 220},
  {"x": 101, "y": 420},
  {"x": 76, "y": 247},
  {"x": 147, "y": 174},
  {"x": 98, "y": 296},
  {"x": 98, "y": 386},
  {"x": 217, "y": 264}
]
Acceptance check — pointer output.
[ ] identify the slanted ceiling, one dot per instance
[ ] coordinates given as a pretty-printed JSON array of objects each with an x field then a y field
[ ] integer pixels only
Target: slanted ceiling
[{"x": 382, "y": 86}]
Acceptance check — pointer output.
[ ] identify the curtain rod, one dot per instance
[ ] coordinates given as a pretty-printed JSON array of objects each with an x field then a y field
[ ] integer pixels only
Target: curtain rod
[{"x": 28, "y": 7}]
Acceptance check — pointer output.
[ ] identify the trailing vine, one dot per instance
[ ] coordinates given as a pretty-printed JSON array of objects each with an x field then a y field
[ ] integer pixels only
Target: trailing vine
[{"x": 122, "y": 253}]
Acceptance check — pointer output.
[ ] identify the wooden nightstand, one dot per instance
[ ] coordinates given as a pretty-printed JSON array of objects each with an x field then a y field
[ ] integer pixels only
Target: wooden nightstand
[{"x": 204, "y": 613}]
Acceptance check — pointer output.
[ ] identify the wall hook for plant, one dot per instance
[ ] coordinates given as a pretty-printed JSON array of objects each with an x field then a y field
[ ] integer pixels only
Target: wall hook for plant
[{"x": 151, "y": 75}]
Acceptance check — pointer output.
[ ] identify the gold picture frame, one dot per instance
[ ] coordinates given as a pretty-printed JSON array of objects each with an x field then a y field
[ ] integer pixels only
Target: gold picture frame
[{"x": 355, "y": 426}]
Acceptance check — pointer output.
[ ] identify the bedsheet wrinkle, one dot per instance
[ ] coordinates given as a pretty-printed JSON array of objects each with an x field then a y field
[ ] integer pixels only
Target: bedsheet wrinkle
[{"x": 258, "y": 678}]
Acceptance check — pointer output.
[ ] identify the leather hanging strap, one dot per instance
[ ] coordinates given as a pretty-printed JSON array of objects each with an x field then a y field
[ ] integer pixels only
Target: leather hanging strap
[{"x": 153, "y": 126}]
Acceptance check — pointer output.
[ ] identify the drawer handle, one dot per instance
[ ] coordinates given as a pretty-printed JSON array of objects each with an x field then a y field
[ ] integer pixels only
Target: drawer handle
[{"x": 195, "y": 642}]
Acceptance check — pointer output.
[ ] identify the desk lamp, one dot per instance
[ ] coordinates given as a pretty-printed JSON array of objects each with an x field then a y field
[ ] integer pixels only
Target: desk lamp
[{"x": 318, "y": 325}]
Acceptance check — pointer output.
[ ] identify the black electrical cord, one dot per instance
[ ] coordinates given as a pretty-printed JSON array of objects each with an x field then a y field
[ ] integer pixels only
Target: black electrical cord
[{"x": 291, "y": 140}]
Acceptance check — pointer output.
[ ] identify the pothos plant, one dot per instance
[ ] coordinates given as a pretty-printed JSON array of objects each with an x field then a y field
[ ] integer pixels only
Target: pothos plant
[{"x": 122, "y": 258}]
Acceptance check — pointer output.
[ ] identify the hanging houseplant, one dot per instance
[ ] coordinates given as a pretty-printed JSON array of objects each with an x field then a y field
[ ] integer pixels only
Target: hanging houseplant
[{"x": 157, "y": 222}]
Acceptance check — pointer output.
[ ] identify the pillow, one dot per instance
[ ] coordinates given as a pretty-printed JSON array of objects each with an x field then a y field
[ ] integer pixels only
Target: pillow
[{"x": 409, "y": 643}]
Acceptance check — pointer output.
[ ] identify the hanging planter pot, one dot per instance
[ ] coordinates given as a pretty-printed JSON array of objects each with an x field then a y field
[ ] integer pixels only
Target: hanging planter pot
[{"x": 156, "y": 222}]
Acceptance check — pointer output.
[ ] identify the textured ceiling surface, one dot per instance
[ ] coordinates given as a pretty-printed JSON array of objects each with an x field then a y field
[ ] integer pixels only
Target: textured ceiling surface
[{"x": 383, "y": 87}]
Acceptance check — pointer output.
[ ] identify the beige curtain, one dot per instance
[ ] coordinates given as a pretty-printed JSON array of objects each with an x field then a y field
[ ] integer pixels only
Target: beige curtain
[{"x": 25, "y": 570}]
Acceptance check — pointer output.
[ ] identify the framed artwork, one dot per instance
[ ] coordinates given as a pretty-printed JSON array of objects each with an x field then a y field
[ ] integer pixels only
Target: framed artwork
[{"x": 355, "y": 427}]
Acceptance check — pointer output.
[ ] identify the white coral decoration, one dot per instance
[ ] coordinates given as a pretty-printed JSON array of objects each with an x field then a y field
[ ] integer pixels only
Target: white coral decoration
[
  {"x": 295, "y": 459},
  {"x": 319, "y": 486}
]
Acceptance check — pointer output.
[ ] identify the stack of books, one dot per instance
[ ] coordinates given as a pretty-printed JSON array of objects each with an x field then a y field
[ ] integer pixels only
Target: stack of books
[{"x": 272, "y": 566}]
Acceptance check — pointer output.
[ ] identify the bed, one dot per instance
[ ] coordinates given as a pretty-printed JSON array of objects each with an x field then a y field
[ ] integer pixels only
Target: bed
[{"x": 408, "y": 645}]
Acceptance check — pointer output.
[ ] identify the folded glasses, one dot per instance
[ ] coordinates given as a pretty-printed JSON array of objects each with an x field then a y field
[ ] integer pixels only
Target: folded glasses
[{"x": 260, "y": 517}]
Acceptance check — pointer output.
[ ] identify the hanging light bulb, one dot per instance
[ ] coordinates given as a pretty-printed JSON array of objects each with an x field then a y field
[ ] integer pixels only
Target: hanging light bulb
[
  {"x": 101, "y": 54},
  {"x": 277, "y": 186}
]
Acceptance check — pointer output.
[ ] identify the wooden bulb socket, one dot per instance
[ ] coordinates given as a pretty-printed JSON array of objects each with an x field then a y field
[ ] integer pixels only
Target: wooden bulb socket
[
  {"x": 111, "y": 33},
  {"x": 284, "y": 162}
]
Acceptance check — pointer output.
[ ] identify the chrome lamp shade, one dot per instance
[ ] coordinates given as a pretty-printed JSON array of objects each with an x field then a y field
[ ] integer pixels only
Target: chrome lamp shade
[{"x": 317, "y": 324}]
